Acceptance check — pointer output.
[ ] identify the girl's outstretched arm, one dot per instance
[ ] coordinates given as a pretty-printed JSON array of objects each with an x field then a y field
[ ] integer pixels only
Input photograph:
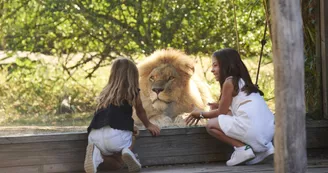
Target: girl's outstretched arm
[
  {"x": 213, "y": 106},
  {"x": 141, "y": 113},
  {"x": 223, "y": 108}
]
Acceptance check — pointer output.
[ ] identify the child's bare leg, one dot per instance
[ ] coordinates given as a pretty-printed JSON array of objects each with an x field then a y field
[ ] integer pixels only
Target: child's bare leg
[
  {"x": 133, "y": 142},
  {"x": 129, "y": 158},
  {"x": 213, "y": 128},
  {"x": 134, "y": 136}
]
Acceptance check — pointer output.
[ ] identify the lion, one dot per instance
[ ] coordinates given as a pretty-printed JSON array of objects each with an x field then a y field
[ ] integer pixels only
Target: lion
[{"x": 170, "y": 88}]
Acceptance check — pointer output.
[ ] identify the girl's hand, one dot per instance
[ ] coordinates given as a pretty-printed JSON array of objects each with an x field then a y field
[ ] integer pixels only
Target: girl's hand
[
  {"x": 193, "y": 117},
  {"x": 153, "y": 129},
  {"x": 213, "y": 105}
]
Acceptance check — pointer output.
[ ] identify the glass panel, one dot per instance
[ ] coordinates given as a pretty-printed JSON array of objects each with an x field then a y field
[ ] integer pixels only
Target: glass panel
[{"x": 55, "y": 56}]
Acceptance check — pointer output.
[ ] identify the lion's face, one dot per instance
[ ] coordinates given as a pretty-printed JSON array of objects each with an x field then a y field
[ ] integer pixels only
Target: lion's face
[
  {"x": 166, "y": 85},
  {"x": 169, "y": 87}
]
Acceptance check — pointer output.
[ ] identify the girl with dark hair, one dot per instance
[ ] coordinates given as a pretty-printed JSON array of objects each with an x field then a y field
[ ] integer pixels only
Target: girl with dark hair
[{"x": 242, "y": 118}]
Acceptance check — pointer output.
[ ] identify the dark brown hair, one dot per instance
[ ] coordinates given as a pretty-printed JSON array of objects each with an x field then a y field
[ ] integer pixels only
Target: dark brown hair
[{"x": 231, "y": 65}]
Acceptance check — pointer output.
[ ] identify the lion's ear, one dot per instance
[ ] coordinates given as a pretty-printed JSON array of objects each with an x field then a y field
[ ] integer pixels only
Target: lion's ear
[{"x": 188, "y": 68}]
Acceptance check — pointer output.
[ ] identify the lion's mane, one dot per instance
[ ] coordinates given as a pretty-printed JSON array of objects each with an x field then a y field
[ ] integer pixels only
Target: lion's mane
[{"x": 169, "y": 86}]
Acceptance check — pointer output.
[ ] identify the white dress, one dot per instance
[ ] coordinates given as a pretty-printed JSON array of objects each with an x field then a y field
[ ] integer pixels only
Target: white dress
[{"x": 251, "y": 122}]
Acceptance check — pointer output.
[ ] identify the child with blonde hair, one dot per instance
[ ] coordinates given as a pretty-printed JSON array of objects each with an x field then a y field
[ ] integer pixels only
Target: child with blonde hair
[
  {"x": 111, "y": 129},
  {"x": 242, "y": 118}
]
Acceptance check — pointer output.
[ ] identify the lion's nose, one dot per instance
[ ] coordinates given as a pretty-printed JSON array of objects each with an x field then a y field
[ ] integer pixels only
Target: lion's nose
[{"x": 157, "y": 90}]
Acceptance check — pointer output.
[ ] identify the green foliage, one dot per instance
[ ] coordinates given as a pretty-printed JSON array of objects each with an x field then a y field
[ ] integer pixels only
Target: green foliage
[
  {"x": 132, "y": 27},
  {"x": 311, "y": 65},
  {"x": 35, "y": 88}
]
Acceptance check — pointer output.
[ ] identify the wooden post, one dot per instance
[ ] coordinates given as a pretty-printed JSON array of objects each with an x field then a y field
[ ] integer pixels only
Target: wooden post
[
  {"x": 288, "y": 59},
  {"x": 324, "y": 54}
]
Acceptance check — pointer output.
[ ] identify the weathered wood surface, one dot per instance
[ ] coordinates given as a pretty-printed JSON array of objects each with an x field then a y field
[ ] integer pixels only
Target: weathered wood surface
[
  {"x": 65, "y": 152},
  {"x": 324, "y": 53},
  {"x": 180, "y": 146},
  {"x": 314, "y": 166},
  {"x": 288, "y": 60}
]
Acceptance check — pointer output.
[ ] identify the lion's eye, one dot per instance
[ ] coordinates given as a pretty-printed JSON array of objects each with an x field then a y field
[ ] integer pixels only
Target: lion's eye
[
  {"x": 151, "y": 78},
  {"x": 171, "y": 78}
]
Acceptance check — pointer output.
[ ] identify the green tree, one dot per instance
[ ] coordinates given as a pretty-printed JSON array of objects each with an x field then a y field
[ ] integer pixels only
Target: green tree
[{"x": 108, "y": 29}]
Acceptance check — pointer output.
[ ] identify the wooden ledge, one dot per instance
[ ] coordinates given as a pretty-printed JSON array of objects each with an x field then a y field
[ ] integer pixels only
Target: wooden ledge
[
  {"x": 71, "y": 136},
  {"x": 66, "y": 152}
]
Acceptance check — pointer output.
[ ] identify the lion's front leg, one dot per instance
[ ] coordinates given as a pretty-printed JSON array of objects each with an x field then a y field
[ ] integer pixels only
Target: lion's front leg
[
  {"x": 161, "y": 120},
  {"x": 180, "y": 120}
]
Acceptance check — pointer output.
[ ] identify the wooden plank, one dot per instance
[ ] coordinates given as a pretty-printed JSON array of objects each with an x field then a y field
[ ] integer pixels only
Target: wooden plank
[
  {"x": 317, "y": 153},
  {"x": 180, "y": 145},
  {"x": 51, "y": 168},
  {"x": 143, "y": 133},
  {"x": 84, "y": 136},
  {"x": 42, "y": 153},
  {"x": 288, "y": 59},
  {"x": 183, "y": 159},
  {"x": 324, "y": 53},
  {"x": 44, "y": 138},
  {"x": 33, "y": 159},
  {"x": 314, "y": 166},
  {"x": 317, "y": 137},
  {"x": 316, "y": 123},
  {"x": 316, "y": 134},
  {"x": 63, "y": 167},
  {"x": 22, "y": 169},
  {"x": 209, "y": 168},
  {"x": 55, "y": 146},
  {"x": 174, "y": 149},
  {"x": 170, "y": 149},
  {"x": 177, "y": 131},
  {"x": 65, "y": 153}
]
